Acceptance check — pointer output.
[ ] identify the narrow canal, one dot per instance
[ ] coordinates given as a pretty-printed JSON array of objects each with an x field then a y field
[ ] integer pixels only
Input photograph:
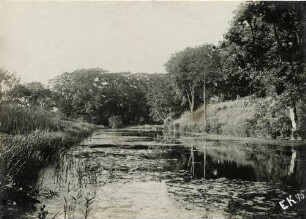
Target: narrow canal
[{"x": 153, "y": 174}]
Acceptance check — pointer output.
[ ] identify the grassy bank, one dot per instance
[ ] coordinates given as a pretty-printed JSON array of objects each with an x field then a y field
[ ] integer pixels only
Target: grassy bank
[
  {"x": 30, "y": 139},
  {"x": 245, "y": 117}
]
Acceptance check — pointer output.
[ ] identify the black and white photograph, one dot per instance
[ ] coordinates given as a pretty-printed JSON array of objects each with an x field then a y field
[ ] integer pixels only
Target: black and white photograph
[{"x": 152, "y": 109}]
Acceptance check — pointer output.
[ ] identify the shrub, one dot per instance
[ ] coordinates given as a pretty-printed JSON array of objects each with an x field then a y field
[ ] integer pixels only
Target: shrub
[
  {"x": 281, "y": 128},
  {"x": 214, "y": 126},
  {"x": 246, "y": 117},
  {"x": 301, "y": 110},
  {"x": 262, "y": 127},
  {"x": 250, "y": 127},
  {"x": 115, "y": 122}
]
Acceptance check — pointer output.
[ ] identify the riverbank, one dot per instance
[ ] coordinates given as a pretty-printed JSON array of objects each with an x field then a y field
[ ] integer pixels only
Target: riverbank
[
  {"x": 246, "y": 117},
  {"x": 30, "y": 139}
]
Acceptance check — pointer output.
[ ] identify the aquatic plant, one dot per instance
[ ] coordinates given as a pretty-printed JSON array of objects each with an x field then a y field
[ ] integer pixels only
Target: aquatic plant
[
  {"x": 69, "y": 209},
  {"x": 30, "y": 139},
  {"x": 80, "y": 175},
  {"x": 43, "y": 213},
  {"x": 89, "y": 200}
]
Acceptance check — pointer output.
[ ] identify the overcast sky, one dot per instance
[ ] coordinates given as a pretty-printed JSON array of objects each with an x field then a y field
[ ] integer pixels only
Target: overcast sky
[{"x": 39, "y": 40}]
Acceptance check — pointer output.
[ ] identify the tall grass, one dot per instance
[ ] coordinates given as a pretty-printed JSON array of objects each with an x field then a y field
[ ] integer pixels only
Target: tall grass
[
  {"x": 23, "y": 120},
  {"x": 30, "y": 138},
  {"x": 245, "y": 117},
  {"x": 89, "y": 200}
]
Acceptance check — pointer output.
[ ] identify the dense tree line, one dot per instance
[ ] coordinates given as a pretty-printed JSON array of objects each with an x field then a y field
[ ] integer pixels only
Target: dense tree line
[
  {"x": 265, "y": 46},
  {"x": 262, "y": 54},
  {"x": 96, "y": 95}
]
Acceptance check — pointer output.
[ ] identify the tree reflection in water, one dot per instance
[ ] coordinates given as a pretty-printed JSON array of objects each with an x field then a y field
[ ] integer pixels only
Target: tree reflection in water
[{"x": 234, "y": 178}]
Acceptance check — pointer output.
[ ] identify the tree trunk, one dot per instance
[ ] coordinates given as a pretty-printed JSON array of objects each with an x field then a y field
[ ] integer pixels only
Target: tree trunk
[
  {"x": 204, "y": 100},
  {"x": 190, "y": 99},
  {"x": 294, "y": 122},
  {"x": 191, "y": 106}
]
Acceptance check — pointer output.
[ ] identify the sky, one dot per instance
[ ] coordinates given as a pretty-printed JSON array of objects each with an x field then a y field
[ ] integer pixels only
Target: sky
[{"x": 40, "y": 40}]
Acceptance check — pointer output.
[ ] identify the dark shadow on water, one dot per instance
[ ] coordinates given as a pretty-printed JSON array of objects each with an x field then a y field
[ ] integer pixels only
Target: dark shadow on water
[{"x": 202, "y": 174}]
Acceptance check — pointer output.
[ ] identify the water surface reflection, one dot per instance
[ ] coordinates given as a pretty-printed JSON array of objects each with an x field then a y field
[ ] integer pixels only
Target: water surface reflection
[{"x": 149, "y": 174}]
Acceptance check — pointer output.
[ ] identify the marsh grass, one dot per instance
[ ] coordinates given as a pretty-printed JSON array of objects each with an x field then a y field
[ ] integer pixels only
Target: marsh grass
[
  {"x": 89, "y": 200},
  {"x": 30, "y": 139},
  {"x": 23, "y": 120},
  {"x": 42, "y": 214},
  {"x": 69, "y": 208},
  {"x": 21, "y": 155}
]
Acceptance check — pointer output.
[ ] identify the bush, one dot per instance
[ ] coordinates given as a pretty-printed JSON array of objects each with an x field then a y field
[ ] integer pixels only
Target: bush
[
  {"x": 246, "y": 117},
  {"x": 262, "y": 127},
  {"x": 115, "y": 122},
  {"x": 214, "y": 126},
  {"x": 281, "y": 128},
  {"x": 301, "y": 110}
]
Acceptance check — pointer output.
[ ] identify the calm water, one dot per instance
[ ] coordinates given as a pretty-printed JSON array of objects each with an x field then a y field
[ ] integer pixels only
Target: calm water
[{"x": 148, "y": 174}]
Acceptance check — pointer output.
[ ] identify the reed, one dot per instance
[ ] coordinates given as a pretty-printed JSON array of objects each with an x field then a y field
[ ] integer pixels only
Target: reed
[
  {"x": 31, "y": 138},
  {"x": 23, "y": 120},
  {"x": 89, "y": 200}
]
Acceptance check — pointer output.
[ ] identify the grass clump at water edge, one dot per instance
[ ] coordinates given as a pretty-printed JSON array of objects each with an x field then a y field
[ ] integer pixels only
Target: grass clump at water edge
[{"x": 31, "y": 138}]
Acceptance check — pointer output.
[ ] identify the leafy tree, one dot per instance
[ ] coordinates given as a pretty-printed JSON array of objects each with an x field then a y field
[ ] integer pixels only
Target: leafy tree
[
  {"x": 237, "y": 81},
  {"x": 162, "y": 99},
  {"x": 33, "y": 94},
  {"x": 75, "y": 92},
  {"x": 7, "y": 82},
  {"x": 96, "y": 95},
  {"x": 19, "y": 94},
  {"x": 267, "y": 41},
  {"x": 191, "y": 70}
]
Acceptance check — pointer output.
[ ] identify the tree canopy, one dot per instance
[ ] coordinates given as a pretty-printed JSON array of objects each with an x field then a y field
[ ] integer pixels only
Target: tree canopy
[
  {"x": 188, "y": 70},
  {"x": 95, "y": 95},
  {"x": 265, "y": 48},
  {"x": 161, "y": 97}
]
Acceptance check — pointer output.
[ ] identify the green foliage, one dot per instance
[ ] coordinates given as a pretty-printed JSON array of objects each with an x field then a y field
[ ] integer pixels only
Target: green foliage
[{"x": 115, "y": 122}]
